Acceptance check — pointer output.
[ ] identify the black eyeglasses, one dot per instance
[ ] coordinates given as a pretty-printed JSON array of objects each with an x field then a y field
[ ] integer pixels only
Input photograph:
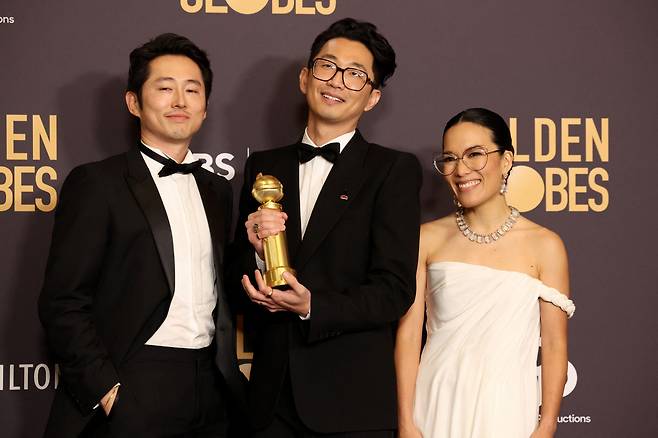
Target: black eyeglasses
[
  {"x": 475, "y": 158},
  {"x": 353, "y": 78}
]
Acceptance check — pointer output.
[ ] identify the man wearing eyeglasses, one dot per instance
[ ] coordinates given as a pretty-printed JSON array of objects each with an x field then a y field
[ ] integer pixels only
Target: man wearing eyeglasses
[{"x": 323, "y": 356}]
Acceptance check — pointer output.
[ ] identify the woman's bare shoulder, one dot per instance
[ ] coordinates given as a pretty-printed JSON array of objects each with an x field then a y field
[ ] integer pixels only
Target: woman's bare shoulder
[
  {"x": 436, "y": 232},
  {"x": 438, "y": 227},
  {"x": 545, "y": 242}
]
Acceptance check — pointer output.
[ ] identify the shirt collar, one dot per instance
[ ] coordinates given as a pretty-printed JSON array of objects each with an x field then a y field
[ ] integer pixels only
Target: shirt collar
[{"x": 341, "y": 139}]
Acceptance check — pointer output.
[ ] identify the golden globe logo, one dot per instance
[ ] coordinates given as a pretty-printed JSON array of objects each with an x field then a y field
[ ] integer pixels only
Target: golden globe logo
[
  {"x": 569, "y": 156},
  {"x": 248, "y": 7}
]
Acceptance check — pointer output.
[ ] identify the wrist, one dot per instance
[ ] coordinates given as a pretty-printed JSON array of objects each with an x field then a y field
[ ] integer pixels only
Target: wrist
[
  {"x": 548, "y": 425},
  {"x": 305, "y": 312},
  {"x": 406, "y": 421}
]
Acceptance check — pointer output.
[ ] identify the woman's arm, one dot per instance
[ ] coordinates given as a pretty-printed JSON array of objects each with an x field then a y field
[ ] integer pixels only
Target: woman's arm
[
  {"x": 407, "y": 348},
  {"x": 554, "y": 272}
]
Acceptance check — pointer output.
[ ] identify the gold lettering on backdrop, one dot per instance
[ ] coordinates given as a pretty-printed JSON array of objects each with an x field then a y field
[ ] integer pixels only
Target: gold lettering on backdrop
[
  {"x": 41, "y": 136},
  {"x": 248, "y": 7},
  {"x": 326, "y": 10},
  {"x": 277, "y": 8},
  {"x": 13, "y": 137},
  {"x": 567, "y": 139},
  {"x": 596, "y": 187},
  {"x": 212, "y": 9},
  {"x": 593, "y": 138},
  {"x": 560, "y": 184},
  {"x": 300, "y": 9},
  {"x": 25, "y": 187},
  {"x": 5, "y": 188},
  {"x": 191, "y": 8},
  {"x": 46, "y": 188},
  {"x": 20, "y": 188},
  {"x": 556, "y": 188},
  {"x": 540, "y": 124},
  {"x": 575, "y": 188}
]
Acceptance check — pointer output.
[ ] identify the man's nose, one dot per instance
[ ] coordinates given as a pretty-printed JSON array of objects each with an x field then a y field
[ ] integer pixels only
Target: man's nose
[
  {"x": 179, "y": 99},
  {"x": 337, "y": 81}
]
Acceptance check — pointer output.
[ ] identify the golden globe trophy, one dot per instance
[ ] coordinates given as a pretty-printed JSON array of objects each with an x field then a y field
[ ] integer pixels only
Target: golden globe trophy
[{"x": 268, "y": 191}]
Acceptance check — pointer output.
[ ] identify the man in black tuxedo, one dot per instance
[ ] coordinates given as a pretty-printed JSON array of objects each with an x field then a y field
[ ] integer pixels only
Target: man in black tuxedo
[
  {"x": 323, "y": 353},
  {"x": 133, "y": 302}
]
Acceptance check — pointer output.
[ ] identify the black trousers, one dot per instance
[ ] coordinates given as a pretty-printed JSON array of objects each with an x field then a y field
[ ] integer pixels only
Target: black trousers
[
  {"x": 287, "y": 424},
  {"x": 166, "y": 393}
]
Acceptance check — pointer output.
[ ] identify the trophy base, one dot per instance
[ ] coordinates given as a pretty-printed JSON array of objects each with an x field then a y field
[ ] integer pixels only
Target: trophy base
[{"x": 274, "y": 276}]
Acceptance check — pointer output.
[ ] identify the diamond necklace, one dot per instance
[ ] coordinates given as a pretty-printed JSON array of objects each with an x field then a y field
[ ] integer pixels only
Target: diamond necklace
[{"x": 486, "y": 238}]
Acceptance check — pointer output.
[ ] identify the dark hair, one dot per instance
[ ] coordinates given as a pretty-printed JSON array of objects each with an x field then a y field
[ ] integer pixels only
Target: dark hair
[
  {"x": 365, "y": 33},
  {"x": 165, "y": 44},
  {"x": 500, "y": 133}
]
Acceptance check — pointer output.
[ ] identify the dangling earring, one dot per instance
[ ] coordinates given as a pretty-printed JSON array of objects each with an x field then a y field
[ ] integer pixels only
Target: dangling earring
[
  {"x": 503, "y": 186},
  {"x": 456, "y": 201}
]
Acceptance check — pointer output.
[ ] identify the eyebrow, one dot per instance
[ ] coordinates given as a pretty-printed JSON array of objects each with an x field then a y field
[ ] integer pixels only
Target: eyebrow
[
  {"x": 168, "y": 78},
  {"x": 468, "y": 148},
  {"x": 353, "y": 64}
]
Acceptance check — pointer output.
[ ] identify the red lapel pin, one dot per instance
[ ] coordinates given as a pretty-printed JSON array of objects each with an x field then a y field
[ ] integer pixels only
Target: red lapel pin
[{"x": 344, "y": 197}]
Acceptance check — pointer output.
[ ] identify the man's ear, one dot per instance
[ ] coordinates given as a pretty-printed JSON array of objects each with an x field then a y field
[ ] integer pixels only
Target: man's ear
[
  {"x": 303, "y": 80},
  {"x": 373, "y": 100},
  {"x": 132, "y": 102}
]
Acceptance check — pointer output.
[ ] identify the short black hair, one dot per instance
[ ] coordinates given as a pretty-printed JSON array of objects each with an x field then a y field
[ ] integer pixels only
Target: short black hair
[
  {"x": 365, "y": 33},
  {"x": 165, "y": 44}
]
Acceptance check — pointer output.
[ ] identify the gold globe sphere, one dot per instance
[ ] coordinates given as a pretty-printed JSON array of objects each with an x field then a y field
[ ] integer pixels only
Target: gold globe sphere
[{"x": 267, "y": 188}]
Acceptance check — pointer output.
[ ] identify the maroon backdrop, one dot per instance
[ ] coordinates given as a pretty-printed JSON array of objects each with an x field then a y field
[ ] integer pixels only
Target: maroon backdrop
[{"x": 575, "y": 79}]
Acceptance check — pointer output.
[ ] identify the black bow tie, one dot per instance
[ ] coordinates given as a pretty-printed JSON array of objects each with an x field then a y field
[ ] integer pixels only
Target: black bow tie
[
  {"x": 170, "y": 166},
  {"x": 307, "y": 152}
]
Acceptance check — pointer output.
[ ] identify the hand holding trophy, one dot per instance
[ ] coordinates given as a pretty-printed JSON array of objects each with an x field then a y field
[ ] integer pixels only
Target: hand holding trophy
[{"x": 268, "y": 190}]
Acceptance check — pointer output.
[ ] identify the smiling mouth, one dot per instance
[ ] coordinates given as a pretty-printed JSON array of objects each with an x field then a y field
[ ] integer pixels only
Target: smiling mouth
[
  {"x": 332, "y": 98},
  {"x": 177, "y": 117},
  {"x": 468, "y": 184}
]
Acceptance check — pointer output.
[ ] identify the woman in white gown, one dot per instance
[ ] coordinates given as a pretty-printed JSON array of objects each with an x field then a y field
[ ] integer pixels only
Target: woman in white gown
[{"x": 491, "y": 282}]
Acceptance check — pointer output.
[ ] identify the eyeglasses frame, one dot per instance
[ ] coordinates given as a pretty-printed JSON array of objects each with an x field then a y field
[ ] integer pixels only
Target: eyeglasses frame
[
  {"x": 342, "y": 71},
  {"x": 457, "y": 159}
]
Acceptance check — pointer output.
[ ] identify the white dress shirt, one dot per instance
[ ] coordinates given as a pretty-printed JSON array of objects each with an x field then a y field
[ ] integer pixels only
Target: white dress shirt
[
  {"x": 312, "y": 176},
  {"x": 189, "y": 322}
]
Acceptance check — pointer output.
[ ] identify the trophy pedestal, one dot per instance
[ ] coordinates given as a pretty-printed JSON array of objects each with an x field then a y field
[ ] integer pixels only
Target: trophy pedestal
[{"x": 274, "y": 276}]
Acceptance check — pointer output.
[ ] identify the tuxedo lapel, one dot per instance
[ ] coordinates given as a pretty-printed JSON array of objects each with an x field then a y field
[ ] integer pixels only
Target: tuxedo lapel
[
  {"x": 212, "y": 205},
  {"x": 147, "y": 196},
  {"x": 339, "y": 190}
]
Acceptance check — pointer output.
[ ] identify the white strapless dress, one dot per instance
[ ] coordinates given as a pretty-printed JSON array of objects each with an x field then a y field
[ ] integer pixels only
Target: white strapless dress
[{"x": 478, "y": 371}]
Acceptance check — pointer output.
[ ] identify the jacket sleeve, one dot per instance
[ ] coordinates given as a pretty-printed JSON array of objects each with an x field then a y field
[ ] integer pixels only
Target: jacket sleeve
[
  {"x": 240, "y": 255},
  {"x": 66, "y": 303},
  {"x": 390, "y": 284}
]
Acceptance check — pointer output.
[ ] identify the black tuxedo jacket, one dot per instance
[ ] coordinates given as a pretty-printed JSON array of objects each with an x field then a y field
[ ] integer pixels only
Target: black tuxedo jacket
[
  {"x": 110, "y": 277},
  {"x": 358, "y": 258}
]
